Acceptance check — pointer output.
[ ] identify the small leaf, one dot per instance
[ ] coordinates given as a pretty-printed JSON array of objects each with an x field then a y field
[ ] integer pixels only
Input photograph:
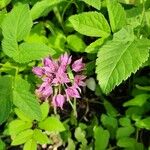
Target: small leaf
[
  {"x": 30, "y": 145},
  {"x": 22, "y": 137},
  {"x": 90, "y": 24},
  {"x": 124, "y": 132},
  {"x": 71, "y": 145},
  {"x": 40, "y": 137},
  {"x": 101, "y": 138},
  {"x": 42, "y": 8},
  {"x": 91, "y": 84},
  {"x": 110, "y": 109},
  {"x": 52, "y": 124},
  {"x": 5, "y": 97},
  {"x": 44, "y": 109},
  {"x": 94, "y": 3},
  {"x": 126, "y": 142},
  {"x": 118, "y": 58},
  {"x": 144, "y": 123},
  {"x": 117, "y": 15},
  {"x": 125, "y": 122},
  {"x": 16, "y": 126},
  {"x": 80, "y": 136},
  {"x": 139, "y": 100},
  {"x": 94, "y": 46},
  {"x": 25, "y": 101},
  {"x": 75, "y": 43}
]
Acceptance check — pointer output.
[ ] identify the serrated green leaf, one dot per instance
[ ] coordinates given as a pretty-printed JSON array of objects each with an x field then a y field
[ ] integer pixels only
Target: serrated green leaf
[
  {"x": 94, "y": 46},
  {"x": 117, "y": 15},
  {"x": 33, "y": 51},
  {"x": 40, "y": 137},
  {"x": 30, "y": 145},
  {"x": 22, "y": 137},
  {"x": 75, "y": 43},
  {"x": 90, "y": 24},
  {"x": 25, "y": 101},
  {"x": 124, "y": 132},
  {"x": 94, "y": 3},
  {"x": 139, "y": 100},
  {"x": 119, "y": 58},
  {"x": 16, "y": 126},
  {"x": 41, "y": 8},
  {"x": 5, "y": 97},
  {"x": 52, "y": 124},
  {"x": 21, "y": 115},
  {"x": 101, "y": 138},
  {"x": 44, "y": 109}
]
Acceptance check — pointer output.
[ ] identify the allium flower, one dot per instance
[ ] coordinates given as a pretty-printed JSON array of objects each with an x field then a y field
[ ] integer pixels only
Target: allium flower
[
  {"x": 58, "y": 101},
  {"x": 57, "y": 85},
  {"x": 78, "y": 65}
]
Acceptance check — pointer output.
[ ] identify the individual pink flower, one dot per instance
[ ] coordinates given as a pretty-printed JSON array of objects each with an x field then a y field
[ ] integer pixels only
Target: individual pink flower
[
  {"x": 64, "y": 61},
  {"x": 78, "y": 65},
  {"x": 61, "y": 77},
  {"x": 49, "y": 65},
  {"x": 72, "y": 92},
  {"x": 44, "y": 91},
  {"x": 78, "y": 81},
  {"x": 38, "y": 71},
  {"x": 58, "y": 101}
]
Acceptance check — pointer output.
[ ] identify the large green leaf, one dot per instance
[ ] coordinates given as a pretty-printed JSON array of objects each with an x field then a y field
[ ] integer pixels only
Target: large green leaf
[
  {"x": 4, "y": 3},
  {"x": 5, "y": 97},
  {"x": 117, "y": 15},
  {"x": 16, "y": 27},
  {"x": 41, "y": 8},
  {"x": 118, "y": 58},
  {"x": 26, "y": 101},
  {"x": 90, "y": 24},
  {"x": 94, "y": 3}
]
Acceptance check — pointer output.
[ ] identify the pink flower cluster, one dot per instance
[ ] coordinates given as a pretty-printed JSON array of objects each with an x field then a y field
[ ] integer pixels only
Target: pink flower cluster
[{"x": 57, "y": 85}]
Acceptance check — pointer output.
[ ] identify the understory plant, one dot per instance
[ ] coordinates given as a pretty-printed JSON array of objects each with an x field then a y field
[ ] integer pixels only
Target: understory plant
[{"x": 74, "y": 74}]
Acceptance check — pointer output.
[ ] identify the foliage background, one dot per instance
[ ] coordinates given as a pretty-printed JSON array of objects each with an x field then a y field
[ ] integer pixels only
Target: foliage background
[{"x": 113, "y": 39}]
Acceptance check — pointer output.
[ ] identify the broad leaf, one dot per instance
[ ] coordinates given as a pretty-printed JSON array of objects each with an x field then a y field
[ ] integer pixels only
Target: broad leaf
[
  {"x": 30, "y": 145},
  {"x": 22, "y": 137},
  {"x": 118, "y": 58},
  {"x": 117, "y": 15},
  {"x": 144, "y": 123},
  {"x": 16, "y": 126},
  {"x": 101, "y": 138},
  {"x": 2, "y": 145},
  {"x": 5, "y": 97},
  {"x": 42, "y": 8},
  {"x": 90, "y": 24},
  {"x": 4, "y": 3},
  {"x": 40, "y": 137},
  {"x": 26, "y": 101},
  {"x": 94, "y": 3},
  {"x": 125, "y": 122},
  {"x": 52, "y": 124}
]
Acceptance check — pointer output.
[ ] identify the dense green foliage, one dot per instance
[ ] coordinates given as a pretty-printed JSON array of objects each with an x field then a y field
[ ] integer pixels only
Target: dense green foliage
[{"x": 112, "y": 37}]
